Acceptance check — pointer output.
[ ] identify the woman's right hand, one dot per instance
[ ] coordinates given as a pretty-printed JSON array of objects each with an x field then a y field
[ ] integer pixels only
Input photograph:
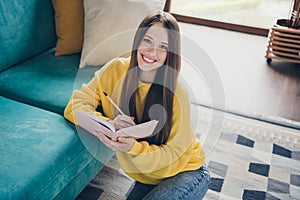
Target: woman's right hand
[{"x": 122, "y": 121}]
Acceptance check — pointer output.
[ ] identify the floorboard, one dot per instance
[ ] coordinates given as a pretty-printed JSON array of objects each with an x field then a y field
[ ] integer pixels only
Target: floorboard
[{"x": 251, "y": 86}]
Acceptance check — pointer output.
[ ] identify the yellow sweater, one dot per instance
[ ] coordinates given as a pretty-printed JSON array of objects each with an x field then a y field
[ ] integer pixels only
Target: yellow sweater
[{"x": 146, "y": 163}]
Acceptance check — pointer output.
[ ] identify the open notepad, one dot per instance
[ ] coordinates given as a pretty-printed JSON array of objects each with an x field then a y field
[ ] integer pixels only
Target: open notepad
[{"x": 92, "y": 123}]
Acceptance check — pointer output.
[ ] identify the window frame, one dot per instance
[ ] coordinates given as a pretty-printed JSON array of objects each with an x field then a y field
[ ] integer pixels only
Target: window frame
[{"x": 216, "y": 24}]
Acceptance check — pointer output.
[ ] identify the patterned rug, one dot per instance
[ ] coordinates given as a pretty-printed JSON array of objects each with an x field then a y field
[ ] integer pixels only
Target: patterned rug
[{"x": 248, "y": 159}]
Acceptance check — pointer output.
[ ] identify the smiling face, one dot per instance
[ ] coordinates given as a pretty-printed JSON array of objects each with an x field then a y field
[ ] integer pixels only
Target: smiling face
[{"x": 153, "y": 49}]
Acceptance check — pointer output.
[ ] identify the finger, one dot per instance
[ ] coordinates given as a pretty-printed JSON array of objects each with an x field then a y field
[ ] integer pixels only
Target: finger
[
  {"x": 125, "y": 143},
  {"x": 114, "y": 145},
  {"x": 121, "y": 139},
  {"x": 102, "y": 138},
  {"x": 132, "y": 121},
  {"x": 124, "y": 124},
  {"x": 124, "y": 119},
  {"x": 128, "y": 120},
  {"x": 105, "y": 140}
]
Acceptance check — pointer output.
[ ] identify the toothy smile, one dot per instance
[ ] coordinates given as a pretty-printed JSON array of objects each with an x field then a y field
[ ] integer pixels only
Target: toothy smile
[{"x": 148, "y": 60}]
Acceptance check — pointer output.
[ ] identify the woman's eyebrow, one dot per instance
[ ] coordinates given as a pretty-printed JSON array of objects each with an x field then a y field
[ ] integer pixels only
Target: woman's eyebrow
[
  {"x": 149, "y": 36},
  {"x": 165, "y": 43}
]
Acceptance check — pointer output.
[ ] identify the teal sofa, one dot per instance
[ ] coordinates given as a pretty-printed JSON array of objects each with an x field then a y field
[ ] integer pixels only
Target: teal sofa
[{"x": 42, "y": 156}]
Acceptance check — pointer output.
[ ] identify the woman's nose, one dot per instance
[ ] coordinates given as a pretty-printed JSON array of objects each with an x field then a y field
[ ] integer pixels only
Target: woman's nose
[{"x": 153, "y": 51}]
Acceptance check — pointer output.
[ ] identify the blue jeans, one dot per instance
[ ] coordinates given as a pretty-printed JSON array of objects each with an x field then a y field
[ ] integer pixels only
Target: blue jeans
[{"x": 191, "y": 185}]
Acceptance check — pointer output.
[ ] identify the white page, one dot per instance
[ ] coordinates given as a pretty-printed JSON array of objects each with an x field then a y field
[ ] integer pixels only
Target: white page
[
  {"x": 97, "y": 119},
  {"x": 139, "y": 131},
  {"x": 92, "y": 123}
]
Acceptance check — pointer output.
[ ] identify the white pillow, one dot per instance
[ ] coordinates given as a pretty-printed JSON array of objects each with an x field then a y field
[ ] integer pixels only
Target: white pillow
[{"x": 109, "y": 27}]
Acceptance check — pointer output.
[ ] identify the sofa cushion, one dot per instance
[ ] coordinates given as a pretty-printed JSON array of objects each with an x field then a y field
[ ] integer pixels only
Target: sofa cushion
[
  {"x": 41, "y": 154},
  {"x": 69, "y": 19},
  {"x": 105, "y": 19},
  {"x": 27, "y": 28},
  {"x": 45, "y": 81}
]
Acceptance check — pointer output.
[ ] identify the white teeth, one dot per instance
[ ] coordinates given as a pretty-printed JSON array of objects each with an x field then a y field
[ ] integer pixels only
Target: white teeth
[{"x": 148, "y": 59}]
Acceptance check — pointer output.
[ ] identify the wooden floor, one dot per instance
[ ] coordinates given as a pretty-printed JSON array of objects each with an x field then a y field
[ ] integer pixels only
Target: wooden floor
[{"x": 251, "y": 86}]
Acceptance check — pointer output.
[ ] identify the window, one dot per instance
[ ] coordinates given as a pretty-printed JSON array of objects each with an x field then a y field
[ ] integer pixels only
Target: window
[{"x": 260, "y": 14}]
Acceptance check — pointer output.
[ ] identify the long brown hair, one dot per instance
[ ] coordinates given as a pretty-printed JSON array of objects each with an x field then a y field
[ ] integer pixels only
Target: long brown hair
[{"x": 161, "y": 90}]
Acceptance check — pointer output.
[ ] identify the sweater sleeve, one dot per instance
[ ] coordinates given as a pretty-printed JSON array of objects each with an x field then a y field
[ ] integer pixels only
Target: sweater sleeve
[
  {"x": 91, "y": 95},
  {"x": 170, "y": 158}
]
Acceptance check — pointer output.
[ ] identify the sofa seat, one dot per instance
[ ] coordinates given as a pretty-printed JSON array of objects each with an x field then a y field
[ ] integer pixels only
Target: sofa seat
[
  {"x": 45, "y": 81},
  {"x": 50, "y": 160}
]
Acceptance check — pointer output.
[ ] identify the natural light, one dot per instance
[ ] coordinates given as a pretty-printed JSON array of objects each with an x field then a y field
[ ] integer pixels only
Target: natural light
[{"x": 255, "y": 13}]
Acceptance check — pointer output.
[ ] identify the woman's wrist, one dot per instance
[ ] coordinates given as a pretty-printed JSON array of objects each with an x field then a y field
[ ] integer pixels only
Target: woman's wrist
[{"x": 112, "y": 123}]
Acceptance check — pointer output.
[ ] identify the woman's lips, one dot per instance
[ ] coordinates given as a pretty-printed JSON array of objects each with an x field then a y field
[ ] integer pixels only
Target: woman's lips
[{"x": 148, "y": 60}]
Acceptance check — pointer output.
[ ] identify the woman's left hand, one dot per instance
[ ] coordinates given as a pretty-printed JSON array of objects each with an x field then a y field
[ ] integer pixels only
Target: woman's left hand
[{"x": 122, "y": 144}]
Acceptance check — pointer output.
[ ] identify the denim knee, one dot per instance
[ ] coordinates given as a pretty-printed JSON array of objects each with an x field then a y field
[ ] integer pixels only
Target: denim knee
[{"x": 187, "y": 185}]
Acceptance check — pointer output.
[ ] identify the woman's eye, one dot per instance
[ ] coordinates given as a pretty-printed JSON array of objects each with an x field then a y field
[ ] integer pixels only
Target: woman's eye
[
  {"x": 148, "y": 41},
  {"x": 164, "y": 47}
]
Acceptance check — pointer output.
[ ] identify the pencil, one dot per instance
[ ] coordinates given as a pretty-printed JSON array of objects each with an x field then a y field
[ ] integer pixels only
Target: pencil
[{"x": 113, "y": 103}]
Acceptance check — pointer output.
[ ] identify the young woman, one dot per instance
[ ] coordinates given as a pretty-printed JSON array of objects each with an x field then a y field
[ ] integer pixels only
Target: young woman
[{"x": 170, "y": 164}]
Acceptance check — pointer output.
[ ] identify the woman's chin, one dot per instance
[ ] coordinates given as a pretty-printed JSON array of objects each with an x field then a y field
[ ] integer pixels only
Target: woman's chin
[{"x": 149, "y": 67}]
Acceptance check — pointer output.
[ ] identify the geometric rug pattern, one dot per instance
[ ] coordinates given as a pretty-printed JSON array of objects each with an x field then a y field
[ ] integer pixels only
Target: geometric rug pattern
[
  {"x": 252, "y": 160},
  {"x": 246, "y": 168}
]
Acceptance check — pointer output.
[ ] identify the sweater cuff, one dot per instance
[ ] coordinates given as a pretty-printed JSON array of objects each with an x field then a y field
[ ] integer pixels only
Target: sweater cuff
[
  {"x": 137, "y": 148},
  {"x": 102, "y": 117}
]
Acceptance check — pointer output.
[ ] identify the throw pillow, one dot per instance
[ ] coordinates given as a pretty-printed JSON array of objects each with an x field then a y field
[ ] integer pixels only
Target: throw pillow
[
  {"x": 109, "y": 27},
  {"x": 69, "y": 19}
]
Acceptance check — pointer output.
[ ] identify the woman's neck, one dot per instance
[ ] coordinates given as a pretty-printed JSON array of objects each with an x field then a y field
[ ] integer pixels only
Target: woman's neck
[{"x": 147, "y": 77}]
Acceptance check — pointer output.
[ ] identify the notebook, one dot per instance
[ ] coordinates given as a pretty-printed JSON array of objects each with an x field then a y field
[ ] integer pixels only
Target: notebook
[{"x": 92, "y": 123}]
